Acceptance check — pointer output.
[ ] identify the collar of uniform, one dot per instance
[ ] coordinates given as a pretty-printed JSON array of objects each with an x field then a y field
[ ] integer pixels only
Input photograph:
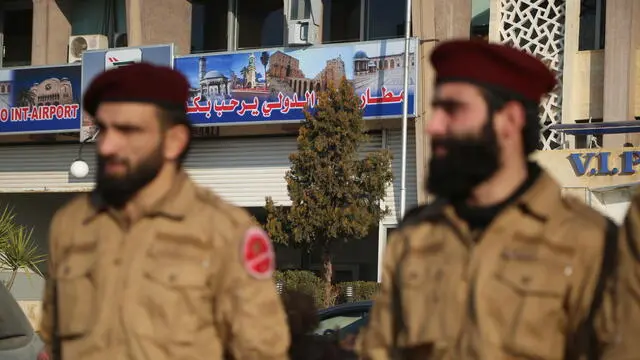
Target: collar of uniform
[
  {"x": 177, "y": 201},
  {"x": 543, "y": 196},
  {"x": 174, "y": 204}
]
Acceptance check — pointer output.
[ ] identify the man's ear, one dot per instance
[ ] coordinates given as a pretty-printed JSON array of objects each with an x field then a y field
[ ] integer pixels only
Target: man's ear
[
  {"x": 176, "y": 141},
  {"x": 512, "y": 119}
]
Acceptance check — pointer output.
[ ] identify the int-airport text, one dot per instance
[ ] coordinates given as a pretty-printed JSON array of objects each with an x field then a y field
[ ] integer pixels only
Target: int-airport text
[{"x": 37, "y": 113}]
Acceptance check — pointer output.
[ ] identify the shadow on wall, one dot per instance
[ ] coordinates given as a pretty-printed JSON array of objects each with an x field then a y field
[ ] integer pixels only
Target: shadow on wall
[{"x": 33, "y": 211}]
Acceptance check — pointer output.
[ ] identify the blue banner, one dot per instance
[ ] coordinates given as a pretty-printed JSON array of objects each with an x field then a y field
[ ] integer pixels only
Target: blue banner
[
  {"x": 40, "y": 100},
  {"x": 231, "y": 88}
]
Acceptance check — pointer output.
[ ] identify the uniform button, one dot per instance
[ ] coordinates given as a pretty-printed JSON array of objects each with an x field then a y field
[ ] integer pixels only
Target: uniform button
[
  {"x": 173, "y": 277},
  {"x": 568, "y": 270},
  {"x": 526, "y": 279},
  {"x": 117, "y": 261},
  {"x": 66, "y": 270}
]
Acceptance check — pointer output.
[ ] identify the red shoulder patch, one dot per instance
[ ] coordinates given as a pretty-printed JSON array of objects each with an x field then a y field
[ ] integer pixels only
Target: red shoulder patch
[{"x": 258, "y": 256}]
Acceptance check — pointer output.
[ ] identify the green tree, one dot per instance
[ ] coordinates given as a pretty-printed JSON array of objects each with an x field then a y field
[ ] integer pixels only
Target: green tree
[
  {"x": 264, "y": 58},
  {"x": 27, "y": 98},
  {"x": 18, "y": 251},
  {"x": 336, "y": 195}
]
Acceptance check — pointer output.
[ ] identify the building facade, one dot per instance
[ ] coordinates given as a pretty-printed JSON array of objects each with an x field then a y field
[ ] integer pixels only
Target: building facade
[
  {"x": 243, "y": 163},
  {"x": 593, "y": 47},
  {"x": 591, "y": 44}
]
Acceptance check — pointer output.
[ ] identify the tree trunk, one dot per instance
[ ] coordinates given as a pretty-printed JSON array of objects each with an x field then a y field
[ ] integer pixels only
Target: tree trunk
[
  {"x": 12, "y": 279},
  {"x": 327, "y": 271}
]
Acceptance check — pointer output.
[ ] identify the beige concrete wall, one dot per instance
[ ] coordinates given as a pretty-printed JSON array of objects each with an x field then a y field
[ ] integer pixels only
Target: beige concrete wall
[
  {"x": 433, "y": 21},
  {"x": 149, "y": 22},
  {"x": 584, "y": 90},
  {"x": 51, "y": 31},
  {"x": 152, "y": 22},
  {"x": 622, "y": 25}
]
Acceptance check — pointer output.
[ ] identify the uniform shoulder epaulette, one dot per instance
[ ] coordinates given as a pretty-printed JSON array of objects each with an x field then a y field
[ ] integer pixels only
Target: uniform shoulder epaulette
[
  {"x": 422, "y": 213},
  {"x": 208, "y": 197},
  {"x": 581, "y": 211},
  {"x": 234, "y": 214}
]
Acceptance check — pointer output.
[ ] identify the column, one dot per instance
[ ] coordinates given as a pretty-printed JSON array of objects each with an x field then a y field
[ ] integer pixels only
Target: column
[
  {"x": 433, "y": 21},
  {"x": 620, "y": 59},
  {"x": 154, "y": 22},
  {"x": 51, "y": 31}
]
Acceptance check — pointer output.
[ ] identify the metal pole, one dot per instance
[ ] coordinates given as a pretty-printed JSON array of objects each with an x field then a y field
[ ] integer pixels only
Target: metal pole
[{"x": 405, "y": 111}]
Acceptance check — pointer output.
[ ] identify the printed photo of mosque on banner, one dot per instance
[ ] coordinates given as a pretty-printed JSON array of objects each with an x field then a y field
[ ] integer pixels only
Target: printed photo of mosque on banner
[{"x": 274, "y": 85}]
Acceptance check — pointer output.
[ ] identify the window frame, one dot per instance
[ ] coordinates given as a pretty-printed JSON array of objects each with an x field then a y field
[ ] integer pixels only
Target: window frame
[
  {"x": 599, "y": 27},
  {"x": 11, "y": 5},
  {"x": 233, "y": 24}
]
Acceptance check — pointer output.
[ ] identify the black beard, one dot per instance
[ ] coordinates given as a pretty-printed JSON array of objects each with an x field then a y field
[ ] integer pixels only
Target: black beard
[
  {"x": 468, "y": 162},
  {"x": 117, "y": 191}
]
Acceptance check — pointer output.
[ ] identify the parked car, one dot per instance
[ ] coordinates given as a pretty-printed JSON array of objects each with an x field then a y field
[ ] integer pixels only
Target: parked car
[
  {"x": 344, "y": 319},
  {"x": 18, "y": 340}
]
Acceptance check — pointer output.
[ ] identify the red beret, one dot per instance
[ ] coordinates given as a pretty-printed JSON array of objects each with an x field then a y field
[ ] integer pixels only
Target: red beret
[
  {"x": 139, "y": 82},
  {"x": 492, "y": 65}
]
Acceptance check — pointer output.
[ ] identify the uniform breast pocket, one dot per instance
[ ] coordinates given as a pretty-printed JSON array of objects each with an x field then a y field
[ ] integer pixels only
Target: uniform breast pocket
[
  {"x": 529, "y": 308},
  {"x": 76, "y": 289},
  {"x": 177, "y": 300},
  {"x": 423, "y": 297},
  {"x": 175, "y": 293}
]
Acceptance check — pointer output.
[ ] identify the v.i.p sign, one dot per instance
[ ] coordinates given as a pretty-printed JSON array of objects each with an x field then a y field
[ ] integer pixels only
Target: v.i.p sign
[{"x": 603, "y": 163}]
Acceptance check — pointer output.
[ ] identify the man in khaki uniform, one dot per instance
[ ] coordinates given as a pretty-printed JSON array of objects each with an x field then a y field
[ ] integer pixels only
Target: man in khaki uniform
[
  {"x": 630, "y": 281},
  {"x": 148, "y": 265},
  {"x": 500, "y": 266}
]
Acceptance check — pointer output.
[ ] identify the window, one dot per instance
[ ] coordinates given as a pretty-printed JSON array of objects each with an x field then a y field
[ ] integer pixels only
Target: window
[
  {"x": 339, "y": 321},
  {"x": 17, "y": 31},
  {"x": 105, "y": 17},
  {"x": 260, "y": 23},
  {"x": 353, "y": 20},
  {"x": 341, "y": 20},
  {"x": 592, "y": 24},
  {"x": 219, "y": 25},
  {"x": 385, "y": 19},
  {"x": 209, "y": 26},
  {"x": 480, "y": 12}
]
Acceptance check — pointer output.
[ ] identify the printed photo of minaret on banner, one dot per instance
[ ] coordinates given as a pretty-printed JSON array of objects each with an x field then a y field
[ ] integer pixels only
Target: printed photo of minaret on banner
[{"x": 274, "y": 85}]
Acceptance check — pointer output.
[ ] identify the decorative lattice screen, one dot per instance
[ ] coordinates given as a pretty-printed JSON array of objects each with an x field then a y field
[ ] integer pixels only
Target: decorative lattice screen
[{"x": 537, "y": 26}]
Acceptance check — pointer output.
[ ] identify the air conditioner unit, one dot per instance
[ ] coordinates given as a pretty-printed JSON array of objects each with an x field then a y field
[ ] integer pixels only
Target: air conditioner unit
[
  {"x": 302, "y": 17},
  {"x": 80, "y": 43},
  {"x": 302, "y": 32}
]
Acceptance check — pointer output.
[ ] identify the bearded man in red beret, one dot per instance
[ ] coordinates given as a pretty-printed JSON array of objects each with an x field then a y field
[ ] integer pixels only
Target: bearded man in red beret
[
  {"x": 501, "y": 265},
  {"x": 149, "y": 265}
]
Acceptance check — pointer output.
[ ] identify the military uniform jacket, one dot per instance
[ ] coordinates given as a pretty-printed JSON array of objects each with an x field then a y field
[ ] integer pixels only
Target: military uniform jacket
[
  {"x": 522, "y": 289},
  {"x": 629, "y": 346},
  {"x": 172, "y": 285}
]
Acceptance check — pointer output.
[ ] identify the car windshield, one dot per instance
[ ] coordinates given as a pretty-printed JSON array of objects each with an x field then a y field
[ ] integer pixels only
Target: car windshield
[
  {"x": 336, "y": 322},
  {"x": 13, "y": 321}
]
